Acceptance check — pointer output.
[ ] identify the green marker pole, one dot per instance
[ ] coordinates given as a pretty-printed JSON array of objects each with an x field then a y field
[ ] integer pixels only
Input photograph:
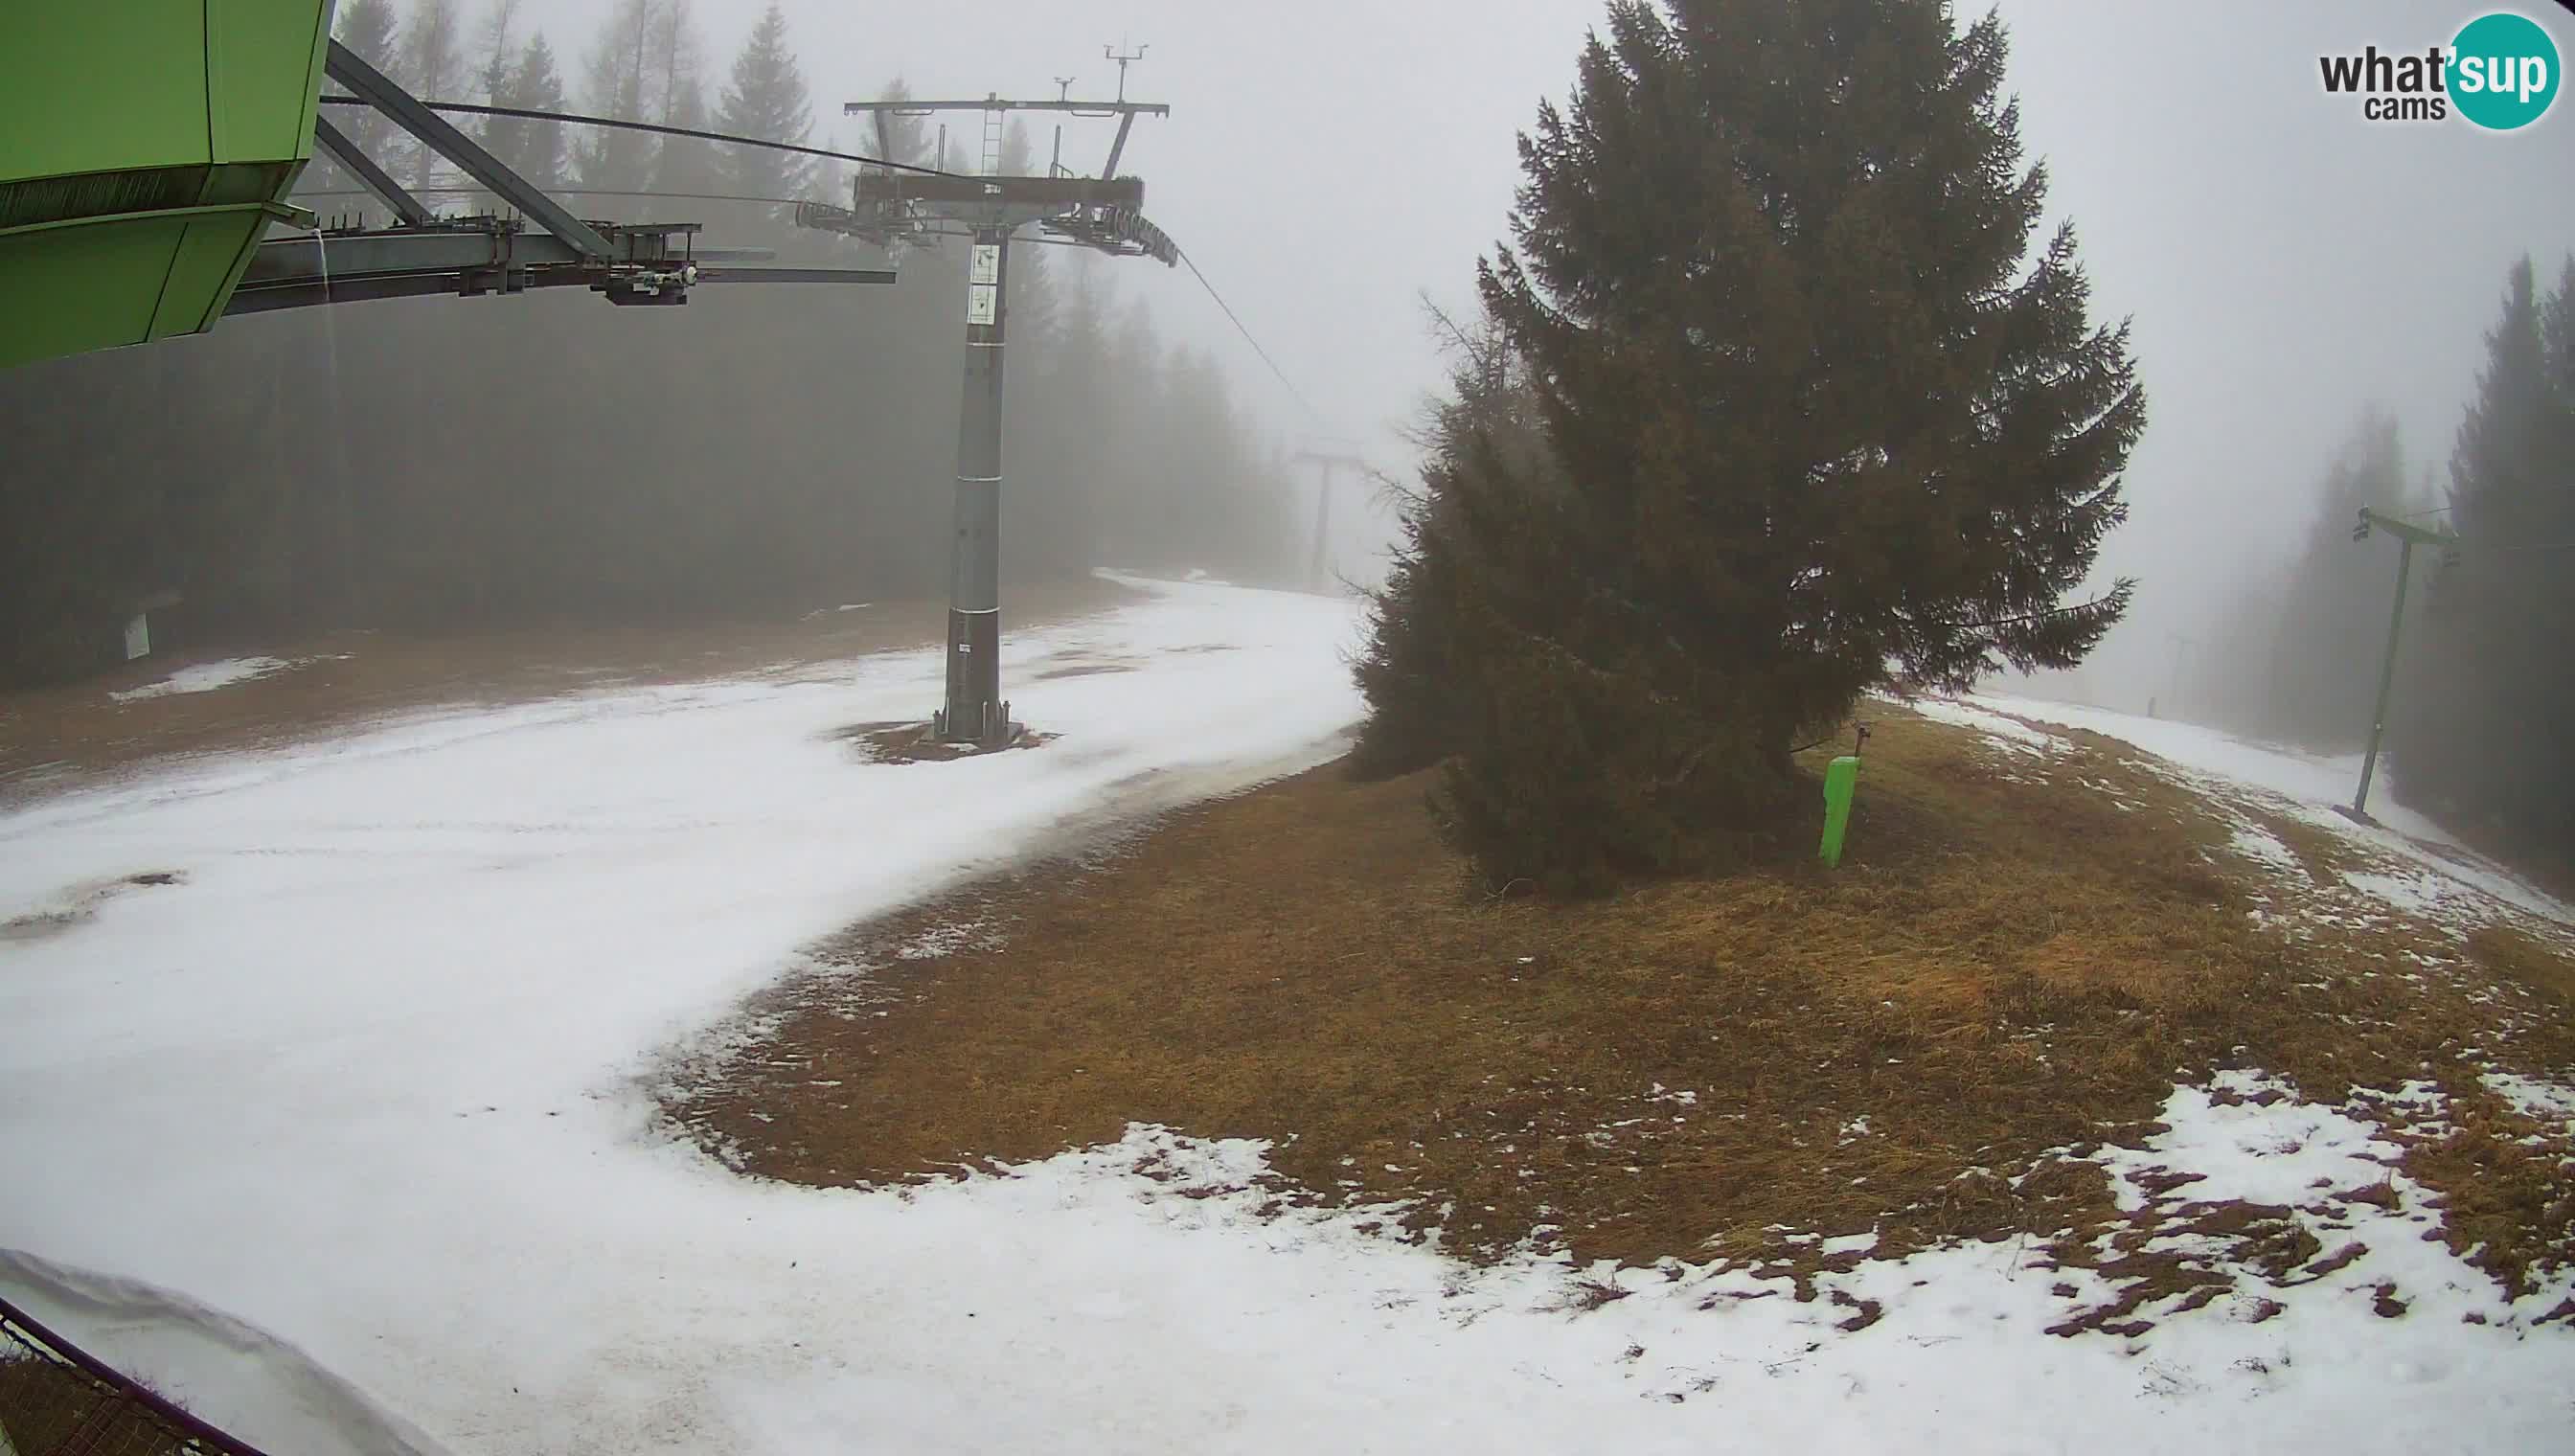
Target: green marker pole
[{"x": 1842, "y": 781}]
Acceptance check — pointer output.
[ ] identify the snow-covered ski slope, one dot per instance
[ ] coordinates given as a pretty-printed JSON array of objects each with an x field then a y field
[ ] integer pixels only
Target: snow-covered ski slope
[
  {"x": 2446, "y": 880},
  {"x": 365, "y": 1089}
]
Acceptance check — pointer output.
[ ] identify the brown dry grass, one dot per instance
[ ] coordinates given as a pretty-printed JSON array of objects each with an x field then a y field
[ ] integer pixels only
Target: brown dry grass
[
  {"x": 2001, "y": 971},
  {"x": 2516, "y": 956},
  {"x": 47, "y": 1407},
  {"x": 55, "y": 737}
]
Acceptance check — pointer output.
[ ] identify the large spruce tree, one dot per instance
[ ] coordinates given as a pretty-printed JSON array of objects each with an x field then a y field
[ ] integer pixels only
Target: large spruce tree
[
  {"x": 1489, "y": 418},
  {"x": 765, "y": 98},
  {"x": 534, "y": 149},
  {"x": 432, "y": 63},
  {"x": 1818, "y": 421},
  {"x": 618, "y": 82}
]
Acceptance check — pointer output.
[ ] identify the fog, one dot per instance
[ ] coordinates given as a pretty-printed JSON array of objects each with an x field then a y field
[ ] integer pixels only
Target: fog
[
  {"x": 1324, "y": 164},
  {"x": 2285, "y": 262},
  {"x": 1331, "y": 165}
]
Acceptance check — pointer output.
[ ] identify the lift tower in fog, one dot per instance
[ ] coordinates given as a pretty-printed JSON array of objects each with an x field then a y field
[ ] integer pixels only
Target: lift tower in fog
[
  {"x": 896, "y": 208},
  {"x": 1326, "y": 458}
]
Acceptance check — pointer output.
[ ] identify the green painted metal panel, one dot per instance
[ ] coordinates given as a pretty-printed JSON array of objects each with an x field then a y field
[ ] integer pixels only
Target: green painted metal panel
[
  {"x": 201, "y": 270},
  {"x": 65, "y": 300},
  {"x": 111, "y": 114},
  {"x": 1841, "y": 781},
  {"x": 101, "y": 87},
  {"x": 264, "y": 82}
]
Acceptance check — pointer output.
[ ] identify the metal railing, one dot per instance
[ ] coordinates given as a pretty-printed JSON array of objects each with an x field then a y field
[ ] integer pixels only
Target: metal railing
[{"x": 56, "y": 1399}]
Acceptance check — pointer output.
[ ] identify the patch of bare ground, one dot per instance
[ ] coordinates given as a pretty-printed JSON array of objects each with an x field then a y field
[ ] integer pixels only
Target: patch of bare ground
[
  {"x": 79, "y": 904},
  {"x": 56, "y": 737},
  {"x": 916, "y": 743},
  {"x": 2014, "y": 966}
]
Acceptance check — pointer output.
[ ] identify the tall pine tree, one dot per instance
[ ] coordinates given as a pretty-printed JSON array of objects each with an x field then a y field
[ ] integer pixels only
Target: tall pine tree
[
  {"x": 431, "y": 60},
  {"x": 1489, "y": 413},
  {"x": 367, "y": 27},
  {"x": 1820, "y": 423},
  {"x": 616, "y": 81},
  {"x": 535, "y": 149},
  {"x": 765, "y": 98},
  {"x": 680, "y": 164},
  {"x": 494, "y": 40},
  {"x": 894, "y": 137},
  {"x": 685, "y": 166}
]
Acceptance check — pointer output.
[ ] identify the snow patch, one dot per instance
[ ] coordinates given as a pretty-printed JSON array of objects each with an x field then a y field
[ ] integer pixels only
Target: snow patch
[
  {"x": 2005, "y": 732},
  {"x": 2383, "y": 1294},
  {"x": 948, "y": 939},
  {"x": 2545, "y": 1102},
  {"x": 2262, "y": 846},
  {"x": 207, "y": 677},
  {"x": 2276, "y": 1153},
  {"x": 2311, "y": 788},
  {"x": 376, "y": 1075},
  {"x": 2420, "y": 892}
]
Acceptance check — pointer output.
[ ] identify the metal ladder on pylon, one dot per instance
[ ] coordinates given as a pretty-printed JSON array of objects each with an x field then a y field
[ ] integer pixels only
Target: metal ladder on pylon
[{"x": 993, "y": 142}]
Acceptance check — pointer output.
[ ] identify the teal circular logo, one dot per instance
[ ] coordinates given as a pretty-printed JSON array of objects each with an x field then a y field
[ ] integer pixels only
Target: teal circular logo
[{"x": 2503, "y": 71}]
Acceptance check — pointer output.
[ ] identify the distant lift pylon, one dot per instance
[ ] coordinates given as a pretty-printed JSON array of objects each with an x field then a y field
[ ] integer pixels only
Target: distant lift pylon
[{"x": 2408, "y": 536}]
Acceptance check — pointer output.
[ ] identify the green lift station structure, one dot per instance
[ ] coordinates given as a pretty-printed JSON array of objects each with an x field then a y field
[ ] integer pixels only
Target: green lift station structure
[{"x": 145, "y": 147}]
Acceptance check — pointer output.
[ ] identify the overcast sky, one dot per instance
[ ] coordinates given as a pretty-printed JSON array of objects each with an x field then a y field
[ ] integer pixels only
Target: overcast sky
[{"x": 2284, "y": 260}]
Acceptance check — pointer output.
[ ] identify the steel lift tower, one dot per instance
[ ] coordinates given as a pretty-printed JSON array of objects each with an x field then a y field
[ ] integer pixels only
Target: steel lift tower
[
  {"x": 2408, "y": 536},
  {"x": 1326, "y": 458},
  {"x": 894, "y": 210}
]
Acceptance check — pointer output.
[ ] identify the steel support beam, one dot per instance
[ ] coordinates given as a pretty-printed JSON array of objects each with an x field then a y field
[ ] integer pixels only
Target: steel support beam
[
  {"x": 309, "y": 291},
  {"x": 1040, "y": 194},
  {"x": 357, "y": 255},
  {"x": 375, "y": 179},
  {"x": 994, "y": 103},
  {"x": 454, "y": 248},
  {"x": 795, "y": 275},
  {"x": 441, "y": 136},
  {"x": 294, "y": 272},
  {"x": 1118, "y": 148},
  {"x": 974, "y": 711},
  {"x": 2408, "y": 536}
]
